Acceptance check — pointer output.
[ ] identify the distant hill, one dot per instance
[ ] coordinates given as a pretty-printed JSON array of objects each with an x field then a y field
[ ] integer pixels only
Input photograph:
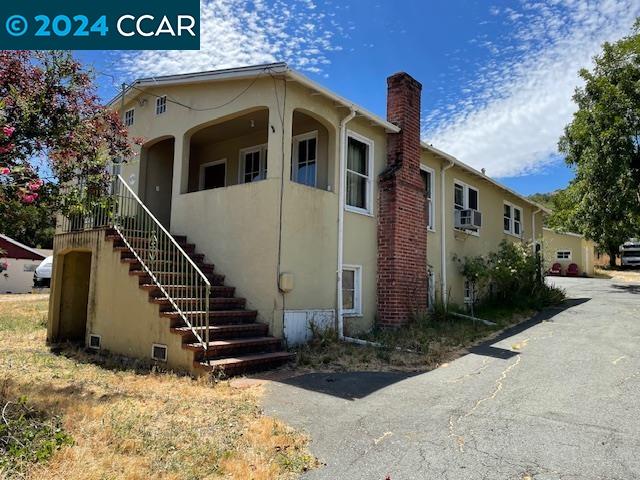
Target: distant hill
[{"x": 544, "y": 199}]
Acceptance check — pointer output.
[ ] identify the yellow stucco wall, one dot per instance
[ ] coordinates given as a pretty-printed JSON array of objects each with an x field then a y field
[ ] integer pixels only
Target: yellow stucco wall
[
  {"x": 491, "y": 199},
  {"x": 117, "y": 309},
  {"x": 582, "y": 251}
]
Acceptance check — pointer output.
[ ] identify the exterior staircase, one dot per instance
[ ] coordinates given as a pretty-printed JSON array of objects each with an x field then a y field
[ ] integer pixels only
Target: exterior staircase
[{"x": 237, "y": 343}]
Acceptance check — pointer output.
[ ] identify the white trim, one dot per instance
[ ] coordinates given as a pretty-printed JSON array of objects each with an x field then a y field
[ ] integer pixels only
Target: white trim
[
  {"x": 99, "y": 337},
  {"x": 161, "y": 104},
  {"x": 432, "y": 209},
  {"x": 357, "y": 291},
  {"x": 565, "y": 250},
  {"x": 22, "y": 245},
  {"x": 166, "y": 352},
  {"x": 467, "y": 168},
  {"x": 133, "y": 117},
  {"x": 562, "y": 233},
  {"x": 369, "y": 193},
  {"x": 211, "y": 164},
  {"x": 512, "y": 220},
  {"x": 294, "y": 156},
  {"x": 465, "y": 203},
  {"x": 262, "y": 148}
]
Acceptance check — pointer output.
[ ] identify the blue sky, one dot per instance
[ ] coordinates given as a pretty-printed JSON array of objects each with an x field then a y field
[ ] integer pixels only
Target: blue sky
[{"x": 497, "y": 75}]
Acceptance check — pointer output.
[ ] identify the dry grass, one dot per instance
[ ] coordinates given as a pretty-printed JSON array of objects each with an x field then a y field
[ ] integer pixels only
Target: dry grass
[
  {"x": 129, "y": 424},
  {"x": 629, "y": 276},
  {"x": 422, "y": 345}
]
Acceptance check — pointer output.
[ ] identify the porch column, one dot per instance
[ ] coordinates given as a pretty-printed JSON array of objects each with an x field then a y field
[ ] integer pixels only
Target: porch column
[
  {"x": 279, "y": 143},
  {"x": 180, "y": 165}
]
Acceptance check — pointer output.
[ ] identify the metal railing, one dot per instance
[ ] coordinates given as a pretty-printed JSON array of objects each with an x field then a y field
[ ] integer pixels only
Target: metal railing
[{"x": 161, "y": 257}]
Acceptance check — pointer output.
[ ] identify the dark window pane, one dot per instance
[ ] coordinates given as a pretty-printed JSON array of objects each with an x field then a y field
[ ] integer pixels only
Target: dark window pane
[
  {"x": 507, "y": 211},
  {"x": 516, "y": 228},
  {"x": 302, "y": 151},
  {"x": 357, "y": 157},
  {"x": 473, "y": 199},
  {"x": 507, "y": 224},
  {"x": 214, "y": 176},
  {"x": 348, "y": 300},
  {"x": 458, "y": 196},
  {"x": 516, "y": 214},
  {"x": 426, "y": 178},
  {"x": 356, "y": 190},
  {"x": 312, "y": 149}
]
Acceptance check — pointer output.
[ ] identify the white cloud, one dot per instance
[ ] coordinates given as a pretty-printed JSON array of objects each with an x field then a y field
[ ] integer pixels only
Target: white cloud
[
  {"x": 521, "y": 98},
  {"x": 247, "y": 32}
]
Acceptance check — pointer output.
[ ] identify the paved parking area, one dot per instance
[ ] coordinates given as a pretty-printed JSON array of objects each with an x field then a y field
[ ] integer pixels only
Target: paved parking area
[{"x": 559, "y": 399}]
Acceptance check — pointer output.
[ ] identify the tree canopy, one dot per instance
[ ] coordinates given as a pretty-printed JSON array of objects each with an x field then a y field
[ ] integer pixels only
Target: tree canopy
[{"x": 602, "y": 143}]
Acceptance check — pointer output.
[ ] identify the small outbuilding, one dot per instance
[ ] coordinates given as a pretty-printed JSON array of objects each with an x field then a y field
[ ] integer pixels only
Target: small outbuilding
[
  {"x": 18, "y": 262},
  {"x": 567, "y": 253}
]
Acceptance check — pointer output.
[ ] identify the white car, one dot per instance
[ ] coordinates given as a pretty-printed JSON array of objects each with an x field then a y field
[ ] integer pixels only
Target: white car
[{"x": 42, "y": 277}]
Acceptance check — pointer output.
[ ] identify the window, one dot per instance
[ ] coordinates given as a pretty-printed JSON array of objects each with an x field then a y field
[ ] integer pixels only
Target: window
[
  {"x": 464, "y": 196},
  {"x": 159, "y": 352},
  {"x": 253, "y": 164},
  {"x": 161, "y": 105},
  {"x": 359, "y": 166},
  {"x": 512, "y": 219},
  {"x": 351, "y": 290},
  {"x": 304, "y": 159},
  {"x": 94, "y": 341},
  {"x": 213, "y": 174},
  {"x": 563, "y": 255},
  {"x": 128, "y": 117},
  {"x": 428, "y": 178},
  {"x": 468, "y": 292}
]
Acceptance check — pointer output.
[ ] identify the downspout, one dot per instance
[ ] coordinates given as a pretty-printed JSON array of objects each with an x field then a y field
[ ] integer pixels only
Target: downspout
[
  {"x": 533, "y": 229},
  {"x": 341, "y": 201},
  {"x": 443, "y": 236}
]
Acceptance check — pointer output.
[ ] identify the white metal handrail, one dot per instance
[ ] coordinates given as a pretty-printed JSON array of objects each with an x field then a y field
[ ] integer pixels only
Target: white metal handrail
[{"x": 170, "y": 267}]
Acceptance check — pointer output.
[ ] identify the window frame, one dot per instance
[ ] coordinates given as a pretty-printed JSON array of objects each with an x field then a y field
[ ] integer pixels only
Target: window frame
[
  {"x": 262, "y": 148},
  {"x": 356, "y": 311},
  {"x": 161, "y": 104},
  {"x": 166, "y": 352},
  {"x": 211, "y": 164},
  {"x": 512, "y": 219},
  {"x": 369, "y": 185},
  {"x": 566, "y": 250},
  {"x": 294, "y": 155},
  {"x": 129, "y": 122},
  {"x": 432, "y": 219},
  {"x": 465, "y": 203}
]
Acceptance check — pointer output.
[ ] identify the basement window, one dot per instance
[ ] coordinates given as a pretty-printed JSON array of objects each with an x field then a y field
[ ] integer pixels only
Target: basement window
[
  {"x": 94, "y": 341},
  {"x": 159, "y": 352}
]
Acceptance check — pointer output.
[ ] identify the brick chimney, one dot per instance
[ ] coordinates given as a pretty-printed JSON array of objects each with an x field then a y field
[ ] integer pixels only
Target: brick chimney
[{"x": 402, "y": 230}]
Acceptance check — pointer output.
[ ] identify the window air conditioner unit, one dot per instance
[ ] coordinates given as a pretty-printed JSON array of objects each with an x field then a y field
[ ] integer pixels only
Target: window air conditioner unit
[{"x": 468, "y": 219}]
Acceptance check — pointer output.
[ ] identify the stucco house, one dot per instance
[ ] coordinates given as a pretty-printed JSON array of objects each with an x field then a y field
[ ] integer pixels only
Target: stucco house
[
  {"x": 17, "y": 265},
  {"x": 260, "y": 202},
  {"x": 566, "y": 248}
]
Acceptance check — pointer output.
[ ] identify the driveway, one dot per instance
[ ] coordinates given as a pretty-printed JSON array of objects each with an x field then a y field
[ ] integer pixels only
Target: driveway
[{"x": 558, "y": 398}]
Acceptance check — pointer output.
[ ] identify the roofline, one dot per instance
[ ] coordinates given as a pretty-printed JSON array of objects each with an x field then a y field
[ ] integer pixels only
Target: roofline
[
  {"x": 21, "y": 245},
  {"x": 559, "y": 232},
  {"x": 472, "y": 170},
  {"x": 279, "y": 68}
]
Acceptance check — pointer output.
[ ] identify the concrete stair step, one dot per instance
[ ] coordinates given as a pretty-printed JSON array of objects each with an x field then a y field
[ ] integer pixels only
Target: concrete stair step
[
  {"x": 245, "y": 363},
  {"x": 233, "y": 330}
]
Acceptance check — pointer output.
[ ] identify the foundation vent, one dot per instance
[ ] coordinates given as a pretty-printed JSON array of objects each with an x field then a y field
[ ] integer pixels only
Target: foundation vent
[{"x": 159, "y": 352}]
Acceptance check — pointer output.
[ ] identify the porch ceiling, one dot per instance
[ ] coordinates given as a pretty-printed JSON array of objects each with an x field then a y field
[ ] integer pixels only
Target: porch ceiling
[{"x": 233, "y": 128}]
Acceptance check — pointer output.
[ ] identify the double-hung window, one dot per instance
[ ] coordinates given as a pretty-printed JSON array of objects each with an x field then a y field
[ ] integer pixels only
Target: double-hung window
[
  {"x": 359, "y": 174},
  {"x": 428, "y": 177},
  {"x": 128, "y": 117},
  {"x": 161, "y": 105},
  {"x": 512, "y": 219},
  {"x": 464, "y": 196},
  {"x": 253, "y": 164},
  {"x": 305, "y": 159},
  {"x": 352, "y": 290}
]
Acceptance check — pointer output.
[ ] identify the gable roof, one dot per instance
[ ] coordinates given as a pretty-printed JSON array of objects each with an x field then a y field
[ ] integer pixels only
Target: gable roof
[
  {"x": 473, "y": 171},
  {"x": 19, "y": 250},
  {"x": 280, "y": 69}
]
